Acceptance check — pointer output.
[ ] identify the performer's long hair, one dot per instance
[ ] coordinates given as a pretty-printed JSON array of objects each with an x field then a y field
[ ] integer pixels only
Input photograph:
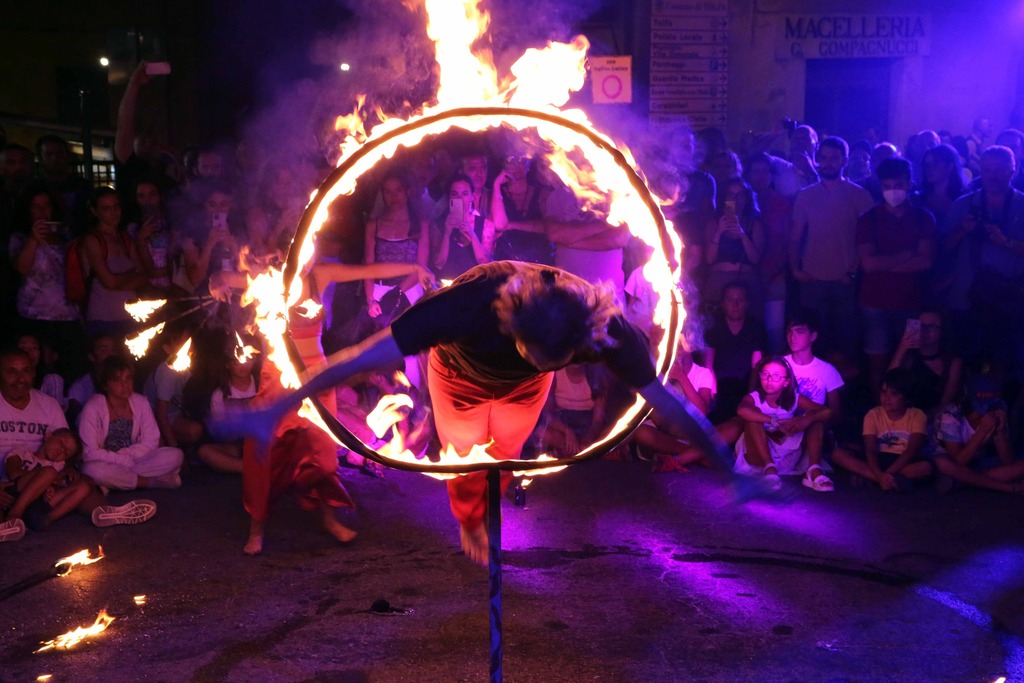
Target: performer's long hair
[{"x": 556, "y": 314}]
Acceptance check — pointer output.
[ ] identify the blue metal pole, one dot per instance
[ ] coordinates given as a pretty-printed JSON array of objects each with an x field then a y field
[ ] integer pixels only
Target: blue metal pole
[{"x": 494, "y": 565}]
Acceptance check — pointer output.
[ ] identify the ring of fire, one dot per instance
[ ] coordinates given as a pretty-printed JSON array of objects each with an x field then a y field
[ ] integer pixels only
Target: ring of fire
[{"x": 342, "y": 181}]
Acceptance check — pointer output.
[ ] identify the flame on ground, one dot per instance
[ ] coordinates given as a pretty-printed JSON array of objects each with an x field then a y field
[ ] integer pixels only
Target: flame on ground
[
  {"x": 82, "y": 557},
  {"x": 68, "y": 640},
  {"x": 140, "y": 600}
]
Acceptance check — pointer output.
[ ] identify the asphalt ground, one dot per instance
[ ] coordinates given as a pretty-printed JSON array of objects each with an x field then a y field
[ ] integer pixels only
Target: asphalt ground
[{"x": 610, "y": 574}]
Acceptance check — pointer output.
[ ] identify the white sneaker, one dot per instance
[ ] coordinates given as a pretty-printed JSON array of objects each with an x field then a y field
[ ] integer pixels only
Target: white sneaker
[
  {"x": 132, "y": 512},
  {"x": 12, "y": 530}
]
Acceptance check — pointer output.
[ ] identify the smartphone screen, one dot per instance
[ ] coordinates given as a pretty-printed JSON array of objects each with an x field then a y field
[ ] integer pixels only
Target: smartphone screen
[
  {"x": 730, "y": 207},
  {"x": 456, "y": 208},
  {"x": 219, "y": 220},
  {"x": 914, "y": 326}
]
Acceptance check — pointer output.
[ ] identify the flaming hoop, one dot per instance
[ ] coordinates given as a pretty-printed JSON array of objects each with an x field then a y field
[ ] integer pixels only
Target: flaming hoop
[{"x": 342, "y": 181}]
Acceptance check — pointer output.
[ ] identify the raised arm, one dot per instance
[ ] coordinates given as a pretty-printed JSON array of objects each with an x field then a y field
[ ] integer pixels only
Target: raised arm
[{"x": 124, "y": 138}]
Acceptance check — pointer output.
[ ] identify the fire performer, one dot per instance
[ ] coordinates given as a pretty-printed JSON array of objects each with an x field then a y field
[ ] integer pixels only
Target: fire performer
[
  {"x": 495, "y": 336},
  {"x": 300, "y": 458}
]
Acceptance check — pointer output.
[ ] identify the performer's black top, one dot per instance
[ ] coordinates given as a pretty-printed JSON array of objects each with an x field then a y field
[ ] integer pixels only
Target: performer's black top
[{"x": 461, "y": 323}]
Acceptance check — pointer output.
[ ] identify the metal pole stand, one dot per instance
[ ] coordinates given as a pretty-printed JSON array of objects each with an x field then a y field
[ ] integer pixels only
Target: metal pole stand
[{"x": 494, "y": 566}]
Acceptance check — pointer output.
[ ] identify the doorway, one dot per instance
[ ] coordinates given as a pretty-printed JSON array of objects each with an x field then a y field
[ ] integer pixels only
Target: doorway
[{"x": 846, "y": 97}]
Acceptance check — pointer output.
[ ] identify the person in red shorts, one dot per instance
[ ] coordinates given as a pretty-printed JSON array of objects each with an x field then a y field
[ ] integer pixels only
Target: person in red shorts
[{"x": 495, "y": 336}]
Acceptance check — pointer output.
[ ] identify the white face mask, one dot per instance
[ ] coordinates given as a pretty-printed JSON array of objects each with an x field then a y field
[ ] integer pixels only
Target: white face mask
[{"x": 894, "y": 197}]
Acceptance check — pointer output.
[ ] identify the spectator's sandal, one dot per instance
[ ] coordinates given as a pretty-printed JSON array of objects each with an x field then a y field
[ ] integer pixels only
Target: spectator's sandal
[
  {"x": 770, "y": 474},
  {"x": 819, "y": 483}
]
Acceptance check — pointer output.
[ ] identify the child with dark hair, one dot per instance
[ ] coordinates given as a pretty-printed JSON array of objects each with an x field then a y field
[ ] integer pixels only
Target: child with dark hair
[
  {"x": 120, "y": 435},
  {"x": 49, "y": 487},
  {"x": 894, "y": 436},
  {"x": 973, "y": 440},
  {"x": 819, "y": 381},
  {"x": 776, "y": 417}
]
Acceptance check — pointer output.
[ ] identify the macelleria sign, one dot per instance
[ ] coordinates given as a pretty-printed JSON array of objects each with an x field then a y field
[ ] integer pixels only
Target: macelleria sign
[{"x": 854, "y": 36}]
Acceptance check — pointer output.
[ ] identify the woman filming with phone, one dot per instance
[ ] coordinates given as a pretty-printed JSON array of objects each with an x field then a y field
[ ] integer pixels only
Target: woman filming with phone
[
  {"x": 734, "y": 243},
  {"x": 397, "y": 235},
  {"x": 467, "y": 238},
  {"x": 210, "y": 246},
  {"x": 38, "y": 246}
]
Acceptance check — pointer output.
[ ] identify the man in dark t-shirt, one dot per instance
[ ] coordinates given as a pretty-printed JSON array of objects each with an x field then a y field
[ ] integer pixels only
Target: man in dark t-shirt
[
  {"x": 735, "y": 343},
  {"x": 495, "y": 336}
]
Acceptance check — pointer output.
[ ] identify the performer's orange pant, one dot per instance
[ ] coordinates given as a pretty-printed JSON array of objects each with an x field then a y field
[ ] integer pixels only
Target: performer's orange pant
[{"x": 467, "y": 414}]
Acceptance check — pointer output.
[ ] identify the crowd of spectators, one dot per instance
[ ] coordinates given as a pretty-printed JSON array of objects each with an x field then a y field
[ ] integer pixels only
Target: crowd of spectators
[{"x": 848, "y": 307}]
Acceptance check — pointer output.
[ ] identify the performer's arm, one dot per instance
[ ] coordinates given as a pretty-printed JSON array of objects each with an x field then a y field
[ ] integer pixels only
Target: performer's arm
[
  {"x": 684, "y": 421},
  {"x": 377, "y": 351},
  {"x": 374, "y": 352}
]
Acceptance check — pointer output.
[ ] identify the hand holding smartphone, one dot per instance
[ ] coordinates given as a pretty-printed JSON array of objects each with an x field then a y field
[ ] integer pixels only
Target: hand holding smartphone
[
  {"x": 456, "y": 207},
  {"x": 912, "y": 333},
  {"x": 219, "y": 221}
]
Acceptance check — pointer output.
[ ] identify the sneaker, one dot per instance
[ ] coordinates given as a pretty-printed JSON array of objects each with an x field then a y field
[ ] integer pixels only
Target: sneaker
[
  {"x": 132, "y": 512},
  {"x": 12, "y": 530}
]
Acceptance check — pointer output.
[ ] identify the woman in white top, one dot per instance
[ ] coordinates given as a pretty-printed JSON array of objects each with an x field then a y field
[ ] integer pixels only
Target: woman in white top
[{"x": 120, "y": 437}]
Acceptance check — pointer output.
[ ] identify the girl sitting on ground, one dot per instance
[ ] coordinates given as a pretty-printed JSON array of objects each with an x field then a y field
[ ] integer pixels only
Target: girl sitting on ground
[{"x": 775, "y": 418}]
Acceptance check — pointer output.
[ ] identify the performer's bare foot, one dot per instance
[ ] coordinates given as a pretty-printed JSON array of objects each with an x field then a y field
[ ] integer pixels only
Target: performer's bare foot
[
  {"x": 254, "y": 546},
  {"x": 334, "y": 527},
  {"x": 475, "y": 543}
]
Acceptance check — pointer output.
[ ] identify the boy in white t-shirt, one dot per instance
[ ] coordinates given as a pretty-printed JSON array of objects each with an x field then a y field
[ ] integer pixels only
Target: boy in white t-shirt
[{"x": 819, "y": 381}]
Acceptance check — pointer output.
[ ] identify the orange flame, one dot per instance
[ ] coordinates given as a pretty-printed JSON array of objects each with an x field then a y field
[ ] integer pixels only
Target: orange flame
[
  {"x": 542, "y": 81},
  {"x": 68, "y": 640},
  {"x": 243, "y": 352},
  {"x": 182, "y": 359},
  {"x": 82, "y": 557},
  {"x": 138, "y": 344},
  {"x": 141, "y": 310}
]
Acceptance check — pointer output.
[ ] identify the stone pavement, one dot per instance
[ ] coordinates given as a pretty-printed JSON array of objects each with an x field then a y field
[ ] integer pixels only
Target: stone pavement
[{"x": 611, "y": 574}]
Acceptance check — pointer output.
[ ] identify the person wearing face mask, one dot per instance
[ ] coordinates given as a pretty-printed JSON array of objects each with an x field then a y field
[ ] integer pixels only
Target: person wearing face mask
[{"x": 896, "y": 248}]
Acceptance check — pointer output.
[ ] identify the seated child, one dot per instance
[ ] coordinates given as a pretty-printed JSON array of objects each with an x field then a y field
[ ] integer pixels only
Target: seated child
[
  {"x": 973, "y": 441},
  {"x": 49, "y": 487},
  {"x": 236, "y": 390},
  {"x": 819, "y": 381},
  {"x": 50, "y": 383},
  {"x": 690, "y": 381},
  {"x": 120, "y": 437},
  {"x": 894, "y": 437},
  {"x": 165, "y": 389},
  {"x": 82, "y": 389},
  {"x": 775, "y": 418}
]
